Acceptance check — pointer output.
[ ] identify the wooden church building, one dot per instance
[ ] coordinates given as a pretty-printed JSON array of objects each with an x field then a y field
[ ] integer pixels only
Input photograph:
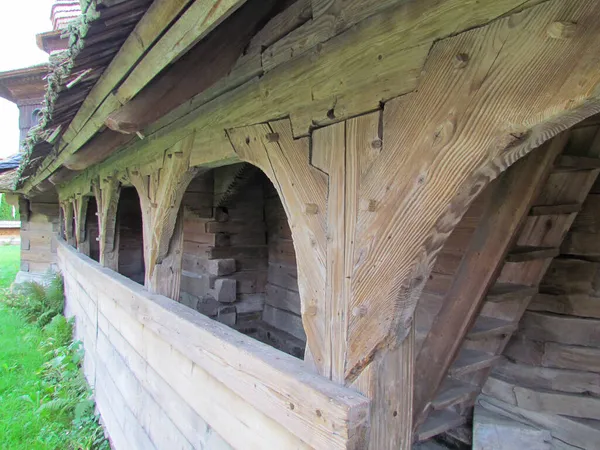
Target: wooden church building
[{"x": 330, "y": 224}]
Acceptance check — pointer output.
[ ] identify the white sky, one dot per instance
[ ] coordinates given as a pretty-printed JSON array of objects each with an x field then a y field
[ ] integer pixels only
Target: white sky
[{"x": 20, "y": 21}]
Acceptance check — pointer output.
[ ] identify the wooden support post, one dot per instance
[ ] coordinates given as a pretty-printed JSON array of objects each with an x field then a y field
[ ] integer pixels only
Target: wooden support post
[
  {"x": 68, "y": 220},
  {"x": 160, "y": 195},
  {"x": 80, "y": 206},
  {"x": 510, "y": 203},
  {"x": 107, "y": 190}
]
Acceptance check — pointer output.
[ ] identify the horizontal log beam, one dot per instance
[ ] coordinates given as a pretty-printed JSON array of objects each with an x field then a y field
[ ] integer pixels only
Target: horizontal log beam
[
  {"x": 316, "y": 410},
  {"x": 331, "y": 83}
]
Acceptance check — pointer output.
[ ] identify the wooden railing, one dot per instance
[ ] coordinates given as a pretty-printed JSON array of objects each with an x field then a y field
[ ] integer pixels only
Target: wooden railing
[{"x": 250, "y": 394}]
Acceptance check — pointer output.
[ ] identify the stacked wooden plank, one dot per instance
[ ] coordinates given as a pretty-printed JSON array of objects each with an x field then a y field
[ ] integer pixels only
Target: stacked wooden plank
[
  {"x": 497, "y": 316},
  {"x": 550, "y": 376}
]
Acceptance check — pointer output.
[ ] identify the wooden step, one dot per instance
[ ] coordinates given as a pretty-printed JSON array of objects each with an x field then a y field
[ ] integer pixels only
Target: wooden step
[
  {"x": 502, "y": 292},
  {"x": 529, "y": 253},
  {"x": 552, "y": 210},
  {"x": 452, "y": 392},
  {"x": 470, "y": 361},
  {"x": 490, "y": 326},
  {"x": 573, "y": 162},
  {"x": 439, "y": 422}
]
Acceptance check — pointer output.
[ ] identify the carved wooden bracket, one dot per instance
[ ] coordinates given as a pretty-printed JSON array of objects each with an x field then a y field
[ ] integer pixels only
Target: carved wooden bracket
[
  {"x": 160, "y": 195},
  {"x": 80, "y": 206},
  {"x": 107, "y": 190},
  {"x": 67, "y": 212}
]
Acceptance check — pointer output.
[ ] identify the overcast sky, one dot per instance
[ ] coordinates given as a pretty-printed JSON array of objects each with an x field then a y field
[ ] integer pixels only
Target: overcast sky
[{"x": 19, "y": 22}]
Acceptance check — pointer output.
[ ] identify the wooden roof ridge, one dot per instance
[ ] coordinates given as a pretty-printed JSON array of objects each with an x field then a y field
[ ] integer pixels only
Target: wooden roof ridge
[
  {"x": 95, "y": 37},
  {"x": 161, "y": 27}
]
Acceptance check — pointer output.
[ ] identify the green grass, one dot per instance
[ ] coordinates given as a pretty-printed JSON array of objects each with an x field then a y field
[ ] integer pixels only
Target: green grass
[
  {"x": 20, "y": 362},
  {"x": 45, "y": 402},
  {"x": 9, "y": 264}
]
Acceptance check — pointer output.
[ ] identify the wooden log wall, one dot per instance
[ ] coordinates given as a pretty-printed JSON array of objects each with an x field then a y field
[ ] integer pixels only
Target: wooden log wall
[
  {"x": 224, "y": 247},
  {"x": 283, "y": 307},
  {"x": 130, "y": 232},
  {"x": 551, "y": 367},
  {"x": 168, "y": 377},
  {"x": 371, "y": 193},
  {"x": 40, "y": 225}
]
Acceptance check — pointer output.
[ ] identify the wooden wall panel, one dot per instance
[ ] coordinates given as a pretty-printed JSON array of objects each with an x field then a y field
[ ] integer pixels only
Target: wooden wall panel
[{"x": 163, "y": 343}]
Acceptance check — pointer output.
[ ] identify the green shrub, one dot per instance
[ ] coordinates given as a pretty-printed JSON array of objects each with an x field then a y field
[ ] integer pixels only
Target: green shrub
[
  {"x": 38, "y": 302},
  {"x": 6, "y": 211},
  {"x": 63, "y": 398}
]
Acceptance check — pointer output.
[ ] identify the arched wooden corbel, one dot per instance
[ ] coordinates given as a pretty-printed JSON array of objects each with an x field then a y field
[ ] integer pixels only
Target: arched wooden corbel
[
  {"x": 161, "y": 193},
  {"x": 303, "y": 192},
  {"x": 107, "y": 190},
  {"x": 80, "y": 205},
  {"x": 67, "y": 214}
]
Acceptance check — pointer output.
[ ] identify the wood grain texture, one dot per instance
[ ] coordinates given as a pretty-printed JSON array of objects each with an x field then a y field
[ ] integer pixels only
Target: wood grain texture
[
  {"x": 80, "y": 205},
  {"x": 285, "y": 161},
  {"x": 334, "y": 76},
  {"x": 272, "y": 397},
  {"x": 427, "y": 145},
  {"x": 107, "y": 190},
  {"x": 161, "y": 193}
]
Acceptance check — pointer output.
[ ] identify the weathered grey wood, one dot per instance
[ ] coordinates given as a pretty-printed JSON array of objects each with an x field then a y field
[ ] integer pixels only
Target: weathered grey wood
[
  {"x": 438, "y": 422},
  {"x": 523, "y": 254},
  {"x": 549, "y": 210},
  {"x": 562, "y": 380},
  {"x": 575, "y": 432},
  {"x": 320, "y": 406},
  {"x": 468, "y": 361},
  {"x": 512, "y": 198},
  {"x": 548, "y": 327}
]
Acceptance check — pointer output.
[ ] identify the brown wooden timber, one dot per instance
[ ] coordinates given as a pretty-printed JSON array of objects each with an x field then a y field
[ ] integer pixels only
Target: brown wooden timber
[
  {"x": 160, "y": 195},
  {"x": 80, "y": 205},
  {"x": 514, "y": 193},
  {"x": 397, "y": 58},
  {"x": 68, "y": 218},
  {"x": 107, "y": 190},
  {"x": 158, "y": 17},
  {"x": 190, "y": 76}
]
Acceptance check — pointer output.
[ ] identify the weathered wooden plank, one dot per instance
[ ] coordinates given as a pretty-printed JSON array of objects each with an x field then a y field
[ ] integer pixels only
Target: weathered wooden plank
[
  {"x": 397, "y": 69},
  {"x": 576, "y": 432},
  {"x": 574, "y": 405},
  {"x": 524, "y": 254},
  {"x": 158, "y": 17},
  {"x": 548, "y": 327},
  {"x": 580, "y": 305},
  {"x": 438, "y": 422},
  {"x": 251, "y": 363},
  {"x": 453, "y": 392},
  {"x": 161, "y": 194},
  {"x": 551, "y": 210},
  {"x": 513, "y": 196},
  {"x": 562, "y": 380},
  {"x": 107, "y": 191},
  {"x": 193, "y": 25},
  {"x": 302, "y": 189},
  {"x": 189, "y": 77},
  {"x": 554, "y": 355},
  {"x": 402, "y": 132},
  {"x": 389, "y": 381}
]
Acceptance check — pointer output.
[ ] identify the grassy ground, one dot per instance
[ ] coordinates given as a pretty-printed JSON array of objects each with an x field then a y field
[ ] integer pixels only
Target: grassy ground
[
  {"x": 45, "y": 402},
  {"x": 9, "y": 264},
  {"x": 20, "y": 361}
]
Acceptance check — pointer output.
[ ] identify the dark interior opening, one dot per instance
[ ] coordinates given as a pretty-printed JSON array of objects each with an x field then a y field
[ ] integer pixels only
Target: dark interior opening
[
  {"x": 92, "y": 230},
  {"x": 239, "y": 264},
  {"x": 129, "y": 235}
]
